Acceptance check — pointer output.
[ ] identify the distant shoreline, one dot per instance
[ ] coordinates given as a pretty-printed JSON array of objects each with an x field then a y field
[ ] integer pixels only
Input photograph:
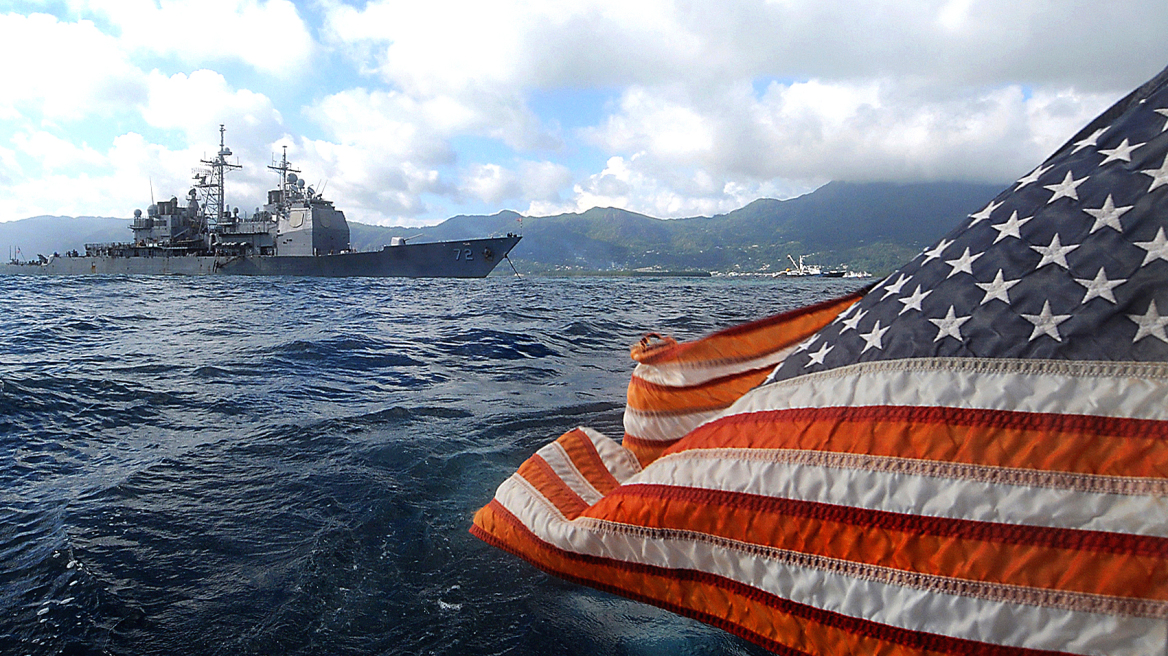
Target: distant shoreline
[{"x": 617, "y": 274}]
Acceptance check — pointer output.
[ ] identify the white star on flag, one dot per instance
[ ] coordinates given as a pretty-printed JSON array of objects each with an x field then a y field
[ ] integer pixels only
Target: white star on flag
[
  {"x": 1100, "y": 287},
  {"x": 1092, "y": 140},
  {"x": 1108, "y": 215},
  {"x": 998, "y": 288},
  {"x": 1157, "y": 248},
  {"x": 852, "y": 323},
  {"x": 935, "y": 252},
  {"x": 914, "y": 302},
  {"x": 872, "y": 339},
  {"x": 1163, "y": 112},
  {"x": 1065, "y": 189},
  {"x": 963, "y": 264},
  {"x": 1122, "y": 152},
  {"x": 1159, "y": 176},
  {"x": 985, "y": 213},
  {"x": 1032, "y": 177},
  {"x": 818, "y": 356},
  {"x": 949, "y": 326},
  {"x": 1010, "y": 227},
  {"x": 1055, "y": 252},
  {"x": 1150, "y": 323},
  {"x": 1045, "y": 322},
  {"x": 894, "y": 288}
]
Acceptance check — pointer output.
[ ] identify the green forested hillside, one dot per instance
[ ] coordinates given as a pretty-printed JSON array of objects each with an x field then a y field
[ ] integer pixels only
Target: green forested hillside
[{"x": 873, "y": 226}]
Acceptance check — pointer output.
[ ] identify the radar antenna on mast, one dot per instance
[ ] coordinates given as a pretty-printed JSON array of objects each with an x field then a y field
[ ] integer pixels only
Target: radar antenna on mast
[
  {"x": 209, "y": 180},
  {"x": 287, "y": 183}
]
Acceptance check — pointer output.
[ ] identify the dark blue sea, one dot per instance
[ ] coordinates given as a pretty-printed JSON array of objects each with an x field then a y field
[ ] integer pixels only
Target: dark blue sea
[{"x": 290, "y": 466}]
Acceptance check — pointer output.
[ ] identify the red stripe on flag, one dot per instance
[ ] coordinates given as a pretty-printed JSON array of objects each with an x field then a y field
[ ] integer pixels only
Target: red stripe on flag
[
  {"x": 750, "y": 340},
  {"x": 1038, "y": 575},
  {"x": 609, "y": 509},
  {"x": 536, "y": 471},
  {"x": 781, "y": 625},
  {"x": 646, "y": 451},
  {"x": 709, "y": 395},
  {"x": 1106, "y": 446},
  {"x": 587, "y": 460}
]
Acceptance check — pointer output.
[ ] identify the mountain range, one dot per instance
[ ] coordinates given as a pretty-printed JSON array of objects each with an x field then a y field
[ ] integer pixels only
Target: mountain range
[{"x": 869, "y": 226}]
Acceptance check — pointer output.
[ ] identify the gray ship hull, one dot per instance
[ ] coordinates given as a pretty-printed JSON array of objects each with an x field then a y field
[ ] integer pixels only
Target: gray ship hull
[{"x": 472, "y": 258}]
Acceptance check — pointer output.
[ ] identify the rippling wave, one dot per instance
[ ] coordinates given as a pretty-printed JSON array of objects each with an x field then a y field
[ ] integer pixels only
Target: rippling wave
[{"x": 239, "y": 466}]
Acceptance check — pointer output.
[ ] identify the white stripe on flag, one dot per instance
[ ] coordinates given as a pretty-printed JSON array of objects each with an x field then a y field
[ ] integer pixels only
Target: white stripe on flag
[
  {"x": 912, "y": 494},
  {"x": 620, "y": 462},
  {"x": 561, "y": 463},
  {"x": 1129, "y": 390},
  {"x": 997, "y": 622},
  {"x": 665, "y": 427},
  {"x": 682, "y": 374}
]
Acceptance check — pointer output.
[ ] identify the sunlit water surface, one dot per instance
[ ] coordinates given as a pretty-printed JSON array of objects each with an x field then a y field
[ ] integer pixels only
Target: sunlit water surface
[{"x": 260, "y": 466}]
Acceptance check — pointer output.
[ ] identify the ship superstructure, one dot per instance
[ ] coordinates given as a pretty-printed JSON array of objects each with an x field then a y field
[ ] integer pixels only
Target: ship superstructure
[
  {"x": 306, "y": 223},
  {"x": 294, "y": 221}
]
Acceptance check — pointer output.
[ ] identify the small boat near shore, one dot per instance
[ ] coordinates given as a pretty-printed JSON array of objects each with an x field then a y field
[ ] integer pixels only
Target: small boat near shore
[{"x": 801, "y": 269}]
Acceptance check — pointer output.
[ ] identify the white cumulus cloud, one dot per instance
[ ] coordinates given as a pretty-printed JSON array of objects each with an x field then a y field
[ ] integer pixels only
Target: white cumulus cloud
[
  {"x": 56, "y": 70},
  {"x": 197, "y": 104},
  {"x": 267, "y": 35},
  {"x": 406, "y": 110},
  {"x": 537, "y": 182}
]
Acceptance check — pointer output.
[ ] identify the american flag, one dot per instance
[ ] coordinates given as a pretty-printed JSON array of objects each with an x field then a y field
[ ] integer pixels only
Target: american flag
[
  {"x": 1069, "y": 263},
  {"x": 972, "y": 457}
]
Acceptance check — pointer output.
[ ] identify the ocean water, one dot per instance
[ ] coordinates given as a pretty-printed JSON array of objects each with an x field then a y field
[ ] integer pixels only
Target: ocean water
[{"x": 290, "y": 466}]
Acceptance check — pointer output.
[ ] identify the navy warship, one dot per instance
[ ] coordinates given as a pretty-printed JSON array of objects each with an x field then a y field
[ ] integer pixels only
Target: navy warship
[{"x": 296, "y": 233}]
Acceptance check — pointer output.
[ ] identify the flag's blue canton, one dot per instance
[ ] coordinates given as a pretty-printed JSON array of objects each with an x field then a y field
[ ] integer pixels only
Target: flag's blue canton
[{"x": 1070, "y": 262}]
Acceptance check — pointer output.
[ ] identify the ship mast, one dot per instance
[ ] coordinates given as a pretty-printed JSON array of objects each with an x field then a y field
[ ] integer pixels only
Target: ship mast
[
  {"x": 283, "y": 168},
  {"x": 209, "y": 180}
]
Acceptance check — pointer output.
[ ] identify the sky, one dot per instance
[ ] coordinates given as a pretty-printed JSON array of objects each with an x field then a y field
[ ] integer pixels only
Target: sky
[{"x": 407, "y": 112}]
